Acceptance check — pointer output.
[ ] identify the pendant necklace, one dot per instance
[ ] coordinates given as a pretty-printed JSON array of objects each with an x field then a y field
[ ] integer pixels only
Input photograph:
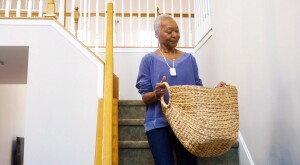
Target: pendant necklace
[{"x": 172, "y": 70}]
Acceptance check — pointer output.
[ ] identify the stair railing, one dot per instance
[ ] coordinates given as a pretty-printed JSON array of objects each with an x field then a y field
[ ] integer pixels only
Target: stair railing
[{"x": 132, "y": 22}]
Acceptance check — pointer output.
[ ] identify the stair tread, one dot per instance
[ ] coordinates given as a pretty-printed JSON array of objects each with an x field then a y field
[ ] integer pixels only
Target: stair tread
[
  {"x": 144, "y": 144},
  {"x": 131, "y": 102},
  {"x": 133, "y": 144},
  {"x": 131, "y": 121}
]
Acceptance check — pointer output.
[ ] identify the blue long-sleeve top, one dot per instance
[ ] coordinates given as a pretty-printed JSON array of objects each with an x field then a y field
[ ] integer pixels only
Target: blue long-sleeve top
[{"x": 152, "y": 68}]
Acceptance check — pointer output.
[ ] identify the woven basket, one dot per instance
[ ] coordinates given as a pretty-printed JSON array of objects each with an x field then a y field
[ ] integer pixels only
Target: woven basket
[{"x": 205, "y": 120}]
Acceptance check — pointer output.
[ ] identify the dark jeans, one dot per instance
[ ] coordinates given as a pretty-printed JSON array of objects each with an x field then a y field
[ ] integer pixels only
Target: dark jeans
[{"x": 163, "y": 142}]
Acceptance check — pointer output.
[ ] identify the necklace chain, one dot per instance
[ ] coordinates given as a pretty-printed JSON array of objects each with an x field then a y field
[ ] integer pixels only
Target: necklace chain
[{"x": 166, "y": 59}]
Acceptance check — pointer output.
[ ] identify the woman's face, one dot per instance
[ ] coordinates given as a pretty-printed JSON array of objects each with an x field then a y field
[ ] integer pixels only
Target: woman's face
[{"x": 169, "y": 33}]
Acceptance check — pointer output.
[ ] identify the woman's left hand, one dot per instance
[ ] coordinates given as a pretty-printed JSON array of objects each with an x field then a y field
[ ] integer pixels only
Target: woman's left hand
[{"x": 221, "y": 84}]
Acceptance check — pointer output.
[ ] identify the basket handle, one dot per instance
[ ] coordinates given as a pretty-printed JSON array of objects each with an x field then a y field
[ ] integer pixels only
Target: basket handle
[{"x": 162, "y": 100}]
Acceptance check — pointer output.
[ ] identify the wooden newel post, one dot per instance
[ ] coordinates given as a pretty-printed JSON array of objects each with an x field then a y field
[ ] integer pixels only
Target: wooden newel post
[
  {"x": 50, "y": 9},
  {"x": 76, "y": 18}
]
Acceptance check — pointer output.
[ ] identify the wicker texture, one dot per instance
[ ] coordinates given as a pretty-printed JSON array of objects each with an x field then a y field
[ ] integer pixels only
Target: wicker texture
[{"x": 205, "y": 120}]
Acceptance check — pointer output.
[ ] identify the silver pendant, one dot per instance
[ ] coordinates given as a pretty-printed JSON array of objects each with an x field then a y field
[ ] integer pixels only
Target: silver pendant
[{"x": 173, "y": 71}]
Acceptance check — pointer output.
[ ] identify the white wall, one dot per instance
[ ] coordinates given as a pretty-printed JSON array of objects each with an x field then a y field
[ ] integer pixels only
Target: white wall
[
  {"x": 12, "y": 118},
  {"x": 255, "y": 46},
  {"x": 64, "y": 84}
]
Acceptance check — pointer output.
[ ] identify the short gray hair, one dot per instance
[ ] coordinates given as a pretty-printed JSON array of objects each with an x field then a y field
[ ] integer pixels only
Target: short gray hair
[{"x": 157, "y": 22}]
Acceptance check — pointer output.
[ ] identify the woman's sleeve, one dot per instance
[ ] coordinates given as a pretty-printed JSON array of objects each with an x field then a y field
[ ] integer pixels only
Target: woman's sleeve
[
  {"x": 196, "y": 74},
  {"x": 143, "y": 83}
]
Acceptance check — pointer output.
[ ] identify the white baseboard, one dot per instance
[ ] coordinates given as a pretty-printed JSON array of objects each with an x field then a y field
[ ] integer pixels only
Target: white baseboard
[{"x": 244, "y": 154}]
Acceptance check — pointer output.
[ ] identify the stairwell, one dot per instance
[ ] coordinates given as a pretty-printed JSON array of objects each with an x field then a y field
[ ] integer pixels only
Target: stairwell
[{"x": 133, "y": 144}]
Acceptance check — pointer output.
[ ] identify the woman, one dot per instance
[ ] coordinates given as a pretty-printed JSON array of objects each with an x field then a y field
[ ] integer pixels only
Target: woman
[{"x": 177, "y": 68}]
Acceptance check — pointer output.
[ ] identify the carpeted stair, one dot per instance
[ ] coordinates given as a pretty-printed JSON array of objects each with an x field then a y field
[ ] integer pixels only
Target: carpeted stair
[{"x": 133, "y": 144}]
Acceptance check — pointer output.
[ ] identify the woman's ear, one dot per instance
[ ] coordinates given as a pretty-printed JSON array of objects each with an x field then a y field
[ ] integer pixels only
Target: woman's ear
[{"x": 156, "y": 35}]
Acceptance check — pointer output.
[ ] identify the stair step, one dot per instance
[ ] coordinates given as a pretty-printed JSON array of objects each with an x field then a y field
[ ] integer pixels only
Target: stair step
[
  {"x": 134, "y": 144},
  {"x": 229, "y": 158},
  {"x": 132, "y": 133},
  {"x": 132, "y": 109},
  {"x": 131, "y": 122},
  {"x": 144, "y": 144},
  {"x": 134, "y": 156},
  {"x": 132, "y": 130},
  {"x": 131, "y": 102}
]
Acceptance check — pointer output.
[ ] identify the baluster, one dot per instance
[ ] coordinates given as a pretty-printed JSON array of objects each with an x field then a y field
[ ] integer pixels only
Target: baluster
[
  {"x": 147, "y": 24},
  {"x": 29, "y": 8},
  {"x": 89, "y": 24},
  {"x": 196, "y": 34},
  {"x": 18, "y": 12},
  {"x": 7, "y": 5},
  {"x": 115, "y": 23},
  {"x": 139, "y": 23},
  {"x": 172, "y": 6},
  {"x": 123, "y": 33},
  {"x": 104, "y": 30},
  {"x": 156, "y": 13},
  {"x": 80, "y": 21},
  {"x": 97, "y": 28},
  {"x": 84, "y": 30},
  {"x": 3, "y": 2},
  {"x": 130, "y": 22},
  {"x": 41, "y": 8},
  {"x": 76, "y": 18},
  {"x": 164, "y": 6},
  {"x": 32, "y": 5},
  {"x": 61, "y": 12},
  {"x": 155, "y": 8},
  {"x": 209, "y": 17},
  {"x": 190, "y": 23},
  {"x": 181, "y": 25},
  {"x": 72, "y": 26},
  {"x": 205, "y": 17},
  {"x": 201, "y": 18},
  {"x": 84, "y": 22}
]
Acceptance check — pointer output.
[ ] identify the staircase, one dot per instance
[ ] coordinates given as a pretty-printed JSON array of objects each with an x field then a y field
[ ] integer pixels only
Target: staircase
[{"x": 133, "y": 144}]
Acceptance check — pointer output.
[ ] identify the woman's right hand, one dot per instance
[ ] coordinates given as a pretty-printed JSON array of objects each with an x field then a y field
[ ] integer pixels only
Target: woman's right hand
[
  {"x": 155, "y": 95},
  {"x": 160, "y": 88}
]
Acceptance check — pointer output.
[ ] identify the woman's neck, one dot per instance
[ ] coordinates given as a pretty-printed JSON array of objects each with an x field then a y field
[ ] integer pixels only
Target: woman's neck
[{"x": 167, "y": 50}]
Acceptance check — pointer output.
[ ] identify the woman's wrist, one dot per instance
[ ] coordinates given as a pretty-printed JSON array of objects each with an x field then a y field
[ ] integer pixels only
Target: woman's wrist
[{"x": 155, "y": 95}]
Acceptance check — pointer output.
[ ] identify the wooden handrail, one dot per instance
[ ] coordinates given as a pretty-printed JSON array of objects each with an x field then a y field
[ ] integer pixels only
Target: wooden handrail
[{"x": 107, "y": 144}]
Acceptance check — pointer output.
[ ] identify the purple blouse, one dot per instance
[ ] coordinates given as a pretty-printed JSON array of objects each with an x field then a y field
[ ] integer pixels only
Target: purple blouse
[{"x": 152, "y": 68}]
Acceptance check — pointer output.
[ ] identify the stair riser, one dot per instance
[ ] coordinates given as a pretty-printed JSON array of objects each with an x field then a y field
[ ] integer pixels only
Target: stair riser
[
  {"x": 135, "y": 157},
  {"x": 132, "y": 133},
  {"x": 132, "y": 112}
]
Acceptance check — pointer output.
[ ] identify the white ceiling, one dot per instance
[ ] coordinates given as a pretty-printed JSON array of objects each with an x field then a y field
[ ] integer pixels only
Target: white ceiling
[{"x": 13, "y": 64}]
